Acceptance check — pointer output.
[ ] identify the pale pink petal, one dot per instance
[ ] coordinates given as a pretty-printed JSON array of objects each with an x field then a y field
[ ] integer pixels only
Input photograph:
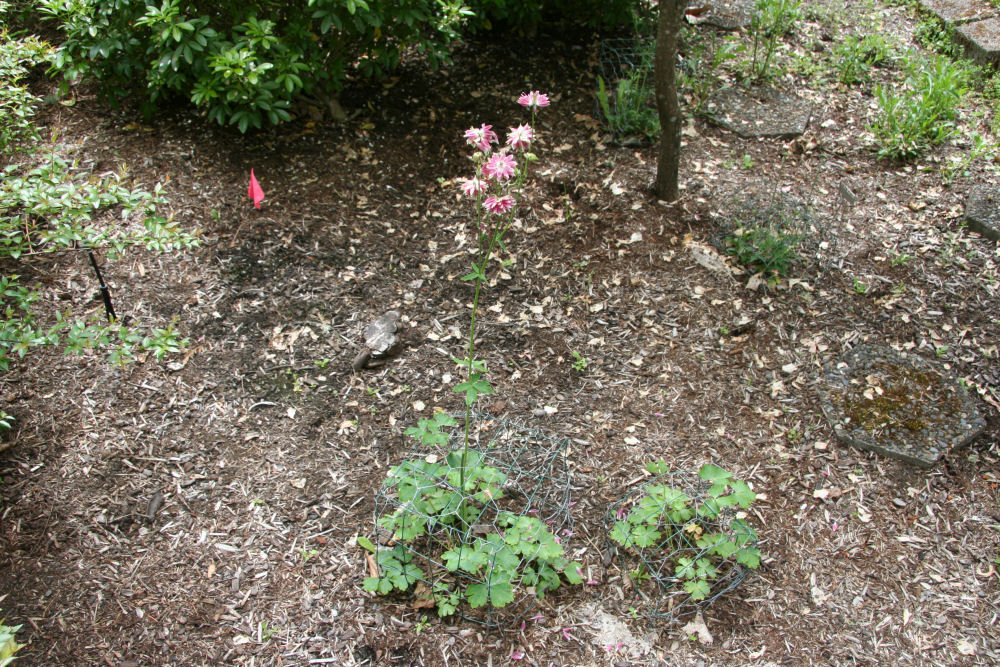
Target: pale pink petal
[{"x": 520, "y": 137}]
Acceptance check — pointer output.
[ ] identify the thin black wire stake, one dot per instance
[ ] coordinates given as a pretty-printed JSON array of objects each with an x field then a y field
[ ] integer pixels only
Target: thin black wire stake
[{"x": 105, "y": 292}]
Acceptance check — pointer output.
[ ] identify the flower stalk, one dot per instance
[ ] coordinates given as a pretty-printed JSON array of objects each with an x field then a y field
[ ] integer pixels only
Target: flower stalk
[{"x": 497, "y": 189}]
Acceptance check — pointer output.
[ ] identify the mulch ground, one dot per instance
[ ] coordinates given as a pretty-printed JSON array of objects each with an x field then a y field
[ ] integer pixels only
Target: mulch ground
[{"x": 267, "y": 451}]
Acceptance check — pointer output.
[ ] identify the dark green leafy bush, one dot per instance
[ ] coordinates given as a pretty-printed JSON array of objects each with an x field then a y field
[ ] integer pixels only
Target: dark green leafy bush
[
  {"x": 526, "y": 15},
  {"x": 48, "y": 203},
  {"x": 17, "y": 104},
  {"x": 244, "y": 62}
]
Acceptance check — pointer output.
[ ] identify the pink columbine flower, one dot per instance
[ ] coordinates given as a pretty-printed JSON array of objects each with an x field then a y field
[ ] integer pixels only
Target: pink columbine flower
[
  {"x": 533, "y": 100},
  {"x": 520, "y": 137},
  {"x": 473, "y": 186},
  {"x": 499, "y": 205},
  {"x": 500, "y": 167},
  {"x": 482, "y": 137}
]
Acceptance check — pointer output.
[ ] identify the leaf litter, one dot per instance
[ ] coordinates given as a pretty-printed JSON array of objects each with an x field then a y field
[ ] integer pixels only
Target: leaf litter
[{"x": 265, "y": 447}]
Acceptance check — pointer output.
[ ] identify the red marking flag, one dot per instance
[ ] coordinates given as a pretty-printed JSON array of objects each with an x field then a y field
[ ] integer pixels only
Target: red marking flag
[{"x": 254, "y": 191}]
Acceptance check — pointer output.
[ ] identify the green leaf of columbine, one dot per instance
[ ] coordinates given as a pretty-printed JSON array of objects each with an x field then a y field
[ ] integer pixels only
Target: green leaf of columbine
[
  {"x": 365, "y": 543},
  {"x": 658, "y": 467},
  {"x": 447, "y": 603},
  {"x": 699, "y": 590},
  {"x": 742, "y": 494},
  {"x": 717, "y": 476},
  {"x": 744, "y": 532},
  {"x": 476, "y": 365},
  {"x": 645, "y": 536},
  {"x": 710, "y": 508},
  {"x": 684, "y": 568},
  {"x": 501, "y": 594},
  {"x": 621, "y": 533},
  {"x": 465, "y": 558},
  {"x": 473, "y": 387},
  {"x": 428, "y": 431},
  {"x": 477, "y": 274},
  {"x": 724, "y": 547},
  {"x": 573, "y": 573},
  {"x": 749, "y": 556},
  {"x": 371, "y": 584},
  {"x": 477, "y": 595}
]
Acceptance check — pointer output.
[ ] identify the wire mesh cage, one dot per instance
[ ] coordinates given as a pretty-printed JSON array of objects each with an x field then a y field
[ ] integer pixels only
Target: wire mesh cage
[
  {"x": 682, "y": 541},
  {"x": 483, "y": 532},
  {"x": 768, "y": 230},
  {"x": 626, "y": 91}
]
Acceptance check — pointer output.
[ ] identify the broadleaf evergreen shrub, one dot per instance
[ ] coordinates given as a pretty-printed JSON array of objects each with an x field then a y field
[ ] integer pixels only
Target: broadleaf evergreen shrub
[
  {"x": 246, "y": 63},
  {"x": 49, "y": 203}
]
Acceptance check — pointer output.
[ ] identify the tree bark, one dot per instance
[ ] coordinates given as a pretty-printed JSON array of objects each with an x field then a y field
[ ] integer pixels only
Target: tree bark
[{"x": 667, "y": 166}]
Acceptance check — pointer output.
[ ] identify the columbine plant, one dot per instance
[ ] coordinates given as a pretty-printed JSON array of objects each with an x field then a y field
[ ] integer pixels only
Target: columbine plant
[
  {"x": 689, "y": 540},
  {"x": 480, "y": 552}
]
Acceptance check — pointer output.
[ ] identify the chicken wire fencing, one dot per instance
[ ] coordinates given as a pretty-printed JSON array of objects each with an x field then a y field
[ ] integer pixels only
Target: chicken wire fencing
[
  {"x": 626, "y": 91},
  {"x": 769, "y": 230},
  {"x": 482, "y": 537},
  {"x": 681, "y": 548}
]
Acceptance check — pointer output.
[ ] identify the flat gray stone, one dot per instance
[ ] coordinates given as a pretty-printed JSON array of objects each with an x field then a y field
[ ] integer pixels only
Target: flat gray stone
[
  {"x": 957, "y": 12},
  {"x": 723, "y": 14},
  {"x": 759, "y": 111},
  {"x": 981, "y": 40},
  {"x": 898, "y": 405},
  {"x": 982, "y": 211}
]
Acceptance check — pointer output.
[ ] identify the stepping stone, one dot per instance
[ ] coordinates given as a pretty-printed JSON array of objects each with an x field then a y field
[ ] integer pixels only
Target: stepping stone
[
  {"x": 982, "y": 211},
  {"x": 760, "y": 111},
  {"x": 981, "y": 40},
  {"x": 957, "y": 12},
  {"x": 898, "y": 405},
  {"x": 723, "y": 14}
]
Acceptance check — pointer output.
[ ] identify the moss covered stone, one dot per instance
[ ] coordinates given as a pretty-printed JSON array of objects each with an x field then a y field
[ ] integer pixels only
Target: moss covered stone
[{"x": 898, "y": 405}]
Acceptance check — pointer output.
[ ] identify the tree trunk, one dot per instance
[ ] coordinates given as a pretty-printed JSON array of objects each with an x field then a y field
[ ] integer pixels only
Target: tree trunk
[{"x": 667, "y": 28}]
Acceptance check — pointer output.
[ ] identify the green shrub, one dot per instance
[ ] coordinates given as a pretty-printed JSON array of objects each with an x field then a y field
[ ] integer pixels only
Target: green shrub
[
  {"x": 48, "y": 203},
  {"x": 704, "y": 59},
  {"x": 764, "y": 249},
  {"x": 923, "y": 112},
  {"x": 244, "y": 62},
  {"x": 526, "y": 15},
  {"x": 629, "y": 103},
  {"x": 17, "y": 104},
  {"x": 935, "y": 35}
]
